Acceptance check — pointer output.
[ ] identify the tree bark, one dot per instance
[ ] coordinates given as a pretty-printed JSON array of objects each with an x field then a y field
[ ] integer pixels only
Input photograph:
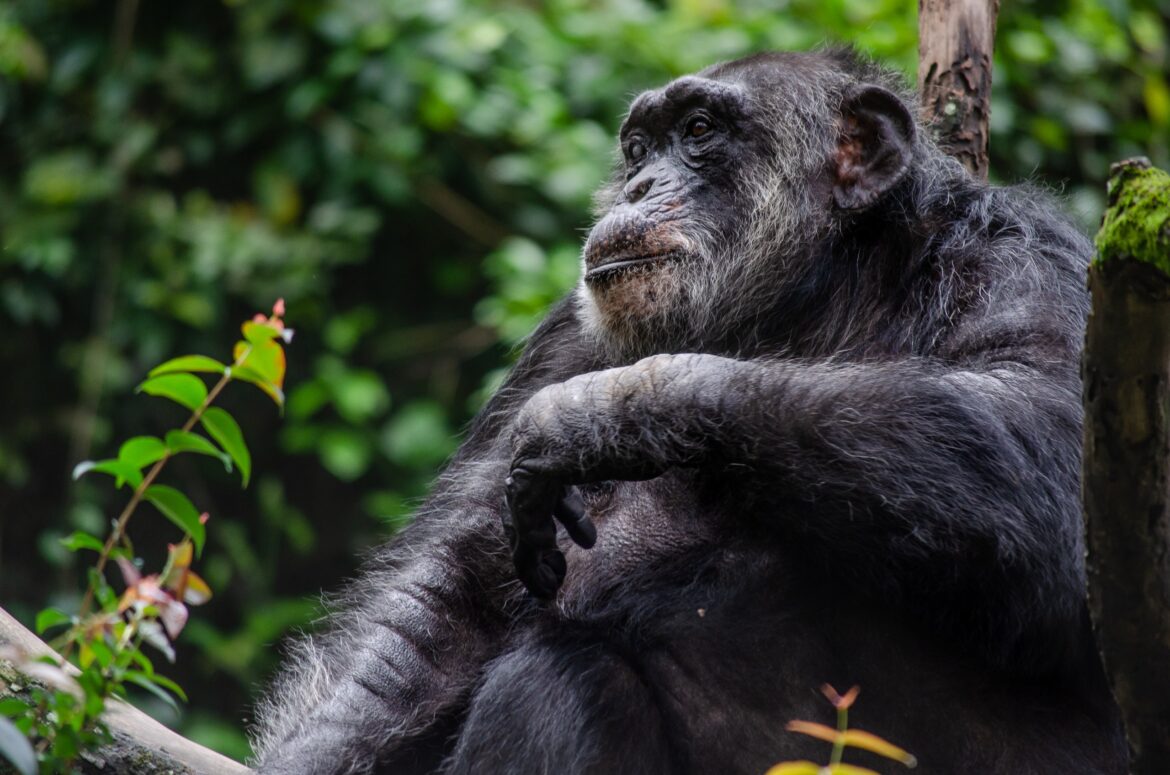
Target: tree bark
[
  {"x": 955, "y": 41},
  {"x": 1126, "y": 479},
  {"x": 141, "y": 746}
]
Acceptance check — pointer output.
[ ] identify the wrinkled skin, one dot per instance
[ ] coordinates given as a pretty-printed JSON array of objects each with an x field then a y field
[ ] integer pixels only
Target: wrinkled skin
[{"x": 812, "y": 416}]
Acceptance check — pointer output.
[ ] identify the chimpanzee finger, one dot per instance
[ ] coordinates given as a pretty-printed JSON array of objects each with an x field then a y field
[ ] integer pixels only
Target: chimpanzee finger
[
  {"x": 549, "y": 575},
  {"x": 530, "y": 499},
  {"x": 570, "y": 512},
  {"x": 541, "y": 571},
  {"x": 532, "y": 534}
]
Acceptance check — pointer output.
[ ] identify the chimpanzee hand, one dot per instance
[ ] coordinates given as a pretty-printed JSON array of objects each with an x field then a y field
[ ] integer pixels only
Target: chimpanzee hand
[
  {"x": 628, "y": 423},
  {"x": 533, "y": 503}
]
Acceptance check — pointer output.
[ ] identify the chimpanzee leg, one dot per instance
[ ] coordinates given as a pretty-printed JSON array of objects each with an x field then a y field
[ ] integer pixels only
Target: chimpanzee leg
[{"x": 563, "y": 703}]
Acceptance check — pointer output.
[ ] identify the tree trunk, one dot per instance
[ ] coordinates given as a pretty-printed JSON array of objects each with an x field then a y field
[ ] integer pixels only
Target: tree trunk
[
  {"x": 141, "y": 746},
  {"x": 1127, "y": 455},
  {"x": 955, "y": 41}
]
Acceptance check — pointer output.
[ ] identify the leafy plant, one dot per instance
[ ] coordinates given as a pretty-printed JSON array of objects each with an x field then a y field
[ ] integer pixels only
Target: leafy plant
[
  {"x": 842, "y": 737},
  {"x": 59, "y": 716}
]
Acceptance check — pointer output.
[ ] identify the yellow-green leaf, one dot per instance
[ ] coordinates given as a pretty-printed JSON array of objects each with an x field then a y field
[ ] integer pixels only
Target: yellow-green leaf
[
  {"x": 188, "y": 363},
  {"x": 813, "y": 729},
  {"x": 250, "y": 375},
  {"x": 871, "y": 742},
  {"x": 180, "y": 558},
  {"x": 794, "y": 768},
  {"x": 849, "y": 769},
  {"x": 258, "y": 333},
  {"x": 185, "y": 389},
  {"x": 175, "y": 506},
  {"x": 197, "y": 592},
  {"x": 266, "y": 358},
  {"x": 86, "y": 655},
  {"x": 226, "y": 432}
]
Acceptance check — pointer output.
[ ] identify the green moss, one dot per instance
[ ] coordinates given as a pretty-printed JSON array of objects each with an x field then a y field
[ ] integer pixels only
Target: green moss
[{"x": 1137, "y": 223}]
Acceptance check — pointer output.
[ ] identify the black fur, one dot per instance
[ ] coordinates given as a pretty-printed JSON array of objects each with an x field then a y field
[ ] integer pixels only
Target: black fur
[{"x": 863, "y": 470}]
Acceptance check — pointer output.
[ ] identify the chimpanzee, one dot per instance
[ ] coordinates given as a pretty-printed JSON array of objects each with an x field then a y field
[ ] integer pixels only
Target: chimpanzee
[{"x": 811, "y": 416}]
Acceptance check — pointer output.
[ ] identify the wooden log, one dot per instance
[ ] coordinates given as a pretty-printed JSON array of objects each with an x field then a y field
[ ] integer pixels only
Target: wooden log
[
  {"x": 955, "y": 42},
  {"x": 1126, "y": 480}
]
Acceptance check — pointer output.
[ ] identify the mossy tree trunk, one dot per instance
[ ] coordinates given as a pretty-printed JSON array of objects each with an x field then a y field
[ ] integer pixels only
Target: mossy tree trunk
[{"x": 1127, "y": 455}]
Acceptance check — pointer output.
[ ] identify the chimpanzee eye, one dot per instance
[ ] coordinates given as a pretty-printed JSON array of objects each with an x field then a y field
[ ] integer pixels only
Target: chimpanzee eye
[
  {"x": 698, "y": 127},
  {"x": 635, "y": 150}
]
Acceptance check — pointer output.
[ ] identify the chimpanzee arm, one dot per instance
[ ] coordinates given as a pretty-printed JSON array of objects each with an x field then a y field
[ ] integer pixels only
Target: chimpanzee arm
[
  {"x": 969, "y": 469},
  {"x": 413, "y": 631}
]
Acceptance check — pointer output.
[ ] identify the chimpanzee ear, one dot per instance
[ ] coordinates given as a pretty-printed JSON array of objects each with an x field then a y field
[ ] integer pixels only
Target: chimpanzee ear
[{"x": 874, "y": 147}]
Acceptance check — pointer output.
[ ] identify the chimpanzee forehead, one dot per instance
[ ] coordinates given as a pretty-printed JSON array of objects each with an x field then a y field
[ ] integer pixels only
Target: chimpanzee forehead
[
  {"x": 683, "y": 95},
  {"x": 771, "y": 69}
]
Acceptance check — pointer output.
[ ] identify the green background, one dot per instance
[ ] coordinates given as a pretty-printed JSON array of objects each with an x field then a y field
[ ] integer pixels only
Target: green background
[{"x": 414, "y": 178}]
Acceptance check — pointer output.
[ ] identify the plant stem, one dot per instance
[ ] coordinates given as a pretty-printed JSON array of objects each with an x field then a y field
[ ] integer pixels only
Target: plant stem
[
  {"x": 139, "y": 492},
  {"x": 839, "y": 743}
]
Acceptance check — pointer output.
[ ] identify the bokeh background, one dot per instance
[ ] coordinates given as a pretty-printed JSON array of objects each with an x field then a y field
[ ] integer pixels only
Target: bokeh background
[{"x": 413, "y": 177}]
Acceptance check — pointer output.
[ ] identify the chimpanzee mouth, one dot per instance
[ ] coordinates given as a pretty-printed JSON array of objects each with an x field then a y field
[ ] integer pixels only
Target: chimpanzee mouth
[{"x": 622, "y": 264}]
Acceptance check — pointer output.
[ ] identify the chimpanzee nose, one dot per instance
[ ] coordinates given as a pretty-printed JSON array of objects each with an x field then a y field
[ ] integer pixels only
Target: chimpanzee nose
[{"x": 638, "y": 188}]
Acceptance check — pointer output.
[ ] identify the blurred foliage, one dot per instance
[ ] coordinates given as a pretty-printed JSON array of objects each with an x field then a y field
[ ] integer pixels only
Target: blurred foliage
[{"x": 413, "y": 176}]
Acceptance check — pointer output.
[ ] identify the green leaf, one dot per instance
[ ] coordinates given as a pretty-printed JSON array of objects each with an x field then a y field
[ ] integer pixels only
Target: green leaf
[
  {"x": 185, "y": 441},
  {"x": 95, "y": 702},
  {"x": 184, "y": 389},
  {"x": 102, "y": 652},
  {"x": 142, "y": 661},
  {"x": 51, "y": 617},
  {"x": 16, "y": 748},
  {"x": 64, "y": 745},
  {"x": 138, "y": 679},
  {"x": 168, "y": 684},
  {"x": 226, "y": 432},
  {"x": 13, "y": 706},
  {"x": 92, "y": 682},
  {"x": 101, "y": 589},
  {"x": 82, "y": 540},
  {"x": 188, "y": 363},
  {"x": 178, "y": 509},
  {"x": 121, "y": 472},
  {"x": 141, "y": 451}
]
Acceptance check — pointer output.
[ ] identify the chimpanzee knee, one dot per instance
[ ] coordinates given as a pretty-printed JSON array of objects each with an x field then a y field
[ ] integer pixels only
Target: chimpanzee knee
[{"x": 563, "y": 704}]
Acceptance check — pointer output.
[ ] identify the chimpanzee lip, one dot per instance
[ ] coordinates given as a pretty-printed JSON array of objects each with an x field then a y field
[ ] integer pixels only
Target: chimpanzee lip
[{"x": 624, "y": 262}]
